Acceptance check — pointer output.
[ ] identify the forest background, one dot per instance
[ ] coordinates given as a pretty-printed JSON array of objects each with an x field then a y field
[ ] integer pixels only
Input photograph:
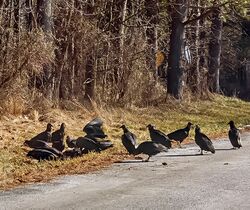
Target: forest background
[{"x": 130, "y": 62}]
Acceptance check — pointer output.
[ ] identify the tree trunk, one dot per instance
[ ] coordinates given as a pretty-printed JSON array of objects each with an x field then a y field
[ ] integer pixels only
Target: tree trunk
[
  {"x": 215, "y": 52},
  {"x": 16, "y": 17},
  {"x": 90, "y": 64},
  {"x": 175, "y": 68},
  {"x": 44, "y": 14},
  {"x": 26, "y": 15},
  {"x": 203, "y": 62},
  {"x": 117, "y": 28},
  {"x": 90, "y": 78},
  {"x": 151, "y": 7},
  {"x": 194, "y": 71}
]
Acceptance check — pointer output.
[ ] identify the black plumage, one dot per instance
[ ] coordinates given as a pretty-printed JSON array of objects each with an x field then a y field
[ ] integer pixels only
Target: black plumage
[
  {"x": 128, "y": 140},
  {"x": 35, "y": 144},
  {"x": 71, "y": 153},
  {"x": 203, "y": 141},
  {"x": 41, "y": 154},
  {"x": 105, "y": 144},
  {"x": 234, "y": 135},
  {"x": 180, "y": 134},
  {"x": 59, "y": 146},
  {"x": 87, "y": 144},
  {"x": 159, "y": 137},
  {"x": 54, "y": 151},
  {"x": 71, "y": 143},
  {"x": 85, "y": 141},
  {"x": 58, "y": 138},
  {"x": 150, "y": 148},
  {"x": 94, "y": 129},
  {"x": 45, "y": 135}
]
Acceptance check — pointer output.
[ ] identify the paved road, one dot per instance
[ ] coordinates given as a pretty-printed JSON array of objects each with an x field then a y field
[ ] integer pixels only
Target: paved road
[{"x": 188, "y": 181}]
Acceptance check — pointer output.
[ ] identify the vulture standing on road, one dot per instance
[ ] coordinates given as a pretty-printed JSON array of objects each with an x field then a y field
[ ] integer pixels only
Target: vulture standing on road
[
  {"x": 45, "y": 135},
  {"x": 159, "y": 137},
  {"x": 94, "y": 129},
  {"x": 128, "y": 140},
  {"x": 234, "y": 135},
  {"x": 181, "y": 134},
  {"x": 58, "y": 138},
  {"x": 203, "y": 141},
  {"x": 150, "y": 148}
]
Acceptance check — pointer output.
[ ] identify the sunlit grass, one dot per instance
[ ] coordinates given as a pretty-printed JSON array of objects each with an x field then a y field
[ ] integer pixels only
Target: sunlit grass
[{"x": 211, "y": 115}]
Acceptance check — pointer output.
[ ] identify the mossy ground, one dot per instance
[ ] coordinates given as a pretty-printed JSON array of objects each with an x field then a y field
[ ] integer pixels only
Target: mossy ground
[{"x": 16, "y": 169}]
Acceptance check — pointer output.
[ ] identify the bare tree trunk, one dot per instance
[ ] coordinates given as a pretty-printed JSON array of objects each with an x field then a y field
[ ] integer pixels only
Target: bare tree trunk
[
  {"x": 90, "y": 77},
  {"x": 67, "y": 48},
  {"x": 63, "y": 51},
  {"x": 6, "y": 36},
  {"x": 203, "y": 63},
  {"x": 90, "y": 73},
  {"x": 44, "y": 15},
  {"x": 16, "y": 17},
  {"x": 26, "y": 15},
  {"x": 215, "y": 52},
  {"x": 117, "y": 17},
  {"x": 175, "y": 68},
  {"x": 151, "y": 7},
  {"x": 194, "y": 71},
  {"x": 122, "y": 80}
]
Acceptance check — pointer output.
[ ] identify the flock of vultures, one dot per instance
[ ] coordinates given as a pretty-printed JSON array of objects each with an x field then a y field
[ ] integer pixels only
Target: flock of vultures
[{"x": 50, "y": 145}]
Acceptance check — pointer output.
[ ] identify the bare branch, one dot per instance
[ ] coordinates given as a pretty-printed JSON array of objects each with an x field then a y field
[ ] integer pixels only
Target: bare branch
[{"x": 205, "y": 14}]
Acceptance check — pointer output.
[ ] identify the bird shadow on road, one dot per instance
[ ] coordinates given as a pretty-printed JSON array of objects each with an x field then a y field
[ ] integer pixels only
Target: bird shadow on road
[
  {"x": 183, "y": 155},
  {"x": 132, "y": 161},
  {"x": 224, "y": 149}
]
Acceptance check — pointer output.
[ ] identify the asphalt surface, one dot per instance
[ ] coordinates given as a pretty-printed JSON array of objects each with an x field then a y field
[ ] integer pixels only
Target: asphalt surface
[{"x": 188, "y": 181}]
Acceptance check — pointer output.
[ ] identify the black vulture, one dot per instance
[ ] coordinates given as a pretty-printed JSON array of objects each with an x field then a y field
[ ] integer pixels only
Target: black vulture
[
  {"x": 58, "y": 138},
  {"x": 41, "y": 154},
  {"x": 45, "y": 135},
  {"x": 36, "y": 144},
  {"x": 87, "y": 144},
  {"x": 58, "y": 145},
  {"x": 203, "y": 141},
  {"x": 128, "y": 140},
  {"x": 71, "y": 153},
  {"x": 105, "y": 144},
  {"x": 159, "y": 137},
  {"x": 234, "y": 135},
  {"x": 102, "y": 145},
  {"x": 181, "y": 134},
  {"x": 54, "y": 151},
  {"x": 94, "y": 129},
  {"x": 70, "y": 142},
  {"x": 150, "y": 148}
]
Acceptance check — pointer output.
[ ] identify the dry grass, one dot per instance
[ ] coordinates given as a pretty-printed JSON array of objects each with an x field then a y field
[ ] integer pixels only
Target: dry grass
[{"x": 16, "y": 169}]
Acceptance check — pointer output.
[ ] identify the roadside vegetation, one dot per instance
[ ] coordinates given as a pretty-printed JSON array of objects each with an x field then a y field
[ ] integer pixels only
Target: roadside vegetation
[{"x": 16, "y": 169}]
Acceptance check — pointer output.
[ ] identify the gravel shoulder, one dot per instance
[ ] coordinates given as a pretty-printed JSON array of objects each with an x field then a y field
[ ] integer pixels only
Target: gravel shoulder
[{"x": 188, "y": 181}]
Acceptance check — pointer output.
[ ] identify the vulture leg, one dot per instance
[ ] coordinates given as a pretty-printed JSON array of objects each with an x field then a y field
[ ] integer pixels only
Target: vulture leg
[
  {"x": 179, "y": 144},
  {"x": 201, "y": 152},
  {"x": 148, "y": 158}
]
